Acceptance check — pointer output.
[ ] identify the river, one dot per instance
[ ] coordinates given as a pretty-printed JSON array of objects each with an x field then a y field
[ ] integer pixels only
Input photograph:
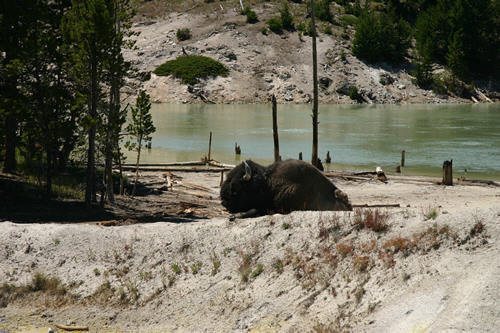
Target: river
[{"x": 358, "y": 137}]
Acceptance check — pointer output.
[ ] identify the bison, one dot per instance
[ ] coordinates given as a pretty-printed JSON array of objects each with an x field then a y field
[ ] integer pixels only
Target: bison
[{"x": 283, "y": 187}]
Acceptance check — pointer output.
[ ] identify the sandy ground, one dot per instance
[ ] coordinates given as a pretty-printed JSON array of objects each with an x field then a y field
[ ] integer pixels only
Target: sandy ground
[{"x": 302, "y": 272}]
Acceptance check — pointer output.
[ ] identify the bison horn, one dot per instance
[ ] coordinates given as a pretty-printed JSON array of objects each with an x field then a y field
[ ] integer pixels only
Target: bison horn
[{"x": 248, "y": 172}]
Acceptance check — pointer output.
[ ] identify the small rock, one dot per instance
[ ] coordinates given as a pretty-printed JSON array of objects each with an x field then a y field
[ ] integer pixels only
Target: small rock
[
  {"x": 50, "y": 330},
  {"x": 268, "y": 79},
  {"x": 288, "y": 96},
  {"x": 412, "y": 94},
  {"x": 385, "y": 79},
  {"x": 290, "y": 87},
  {"x": 401, "y": 86},
  {"x": 285, "y": 76},
  {"x": 324, "y": 82}
]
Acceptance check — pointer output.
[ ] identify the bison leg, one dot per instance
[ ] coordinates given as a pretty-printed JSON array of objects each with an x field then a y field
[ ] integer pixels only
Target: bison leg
[{"x": 251, "y": 213}]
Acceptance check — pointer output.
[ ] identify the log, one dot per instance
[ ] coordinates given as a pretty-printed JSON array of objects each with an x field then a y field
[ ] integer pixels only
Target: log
[
  {"x": 376, "y": 205},
  {"x": 189, "y": 163},
  {"x": 72, "y": 328},
  {"x": 210, "y": 146},
  {"x": 448, "y": 173},
  {"x": 180, "y": 169},
  {"x": 220, "y": 165}
]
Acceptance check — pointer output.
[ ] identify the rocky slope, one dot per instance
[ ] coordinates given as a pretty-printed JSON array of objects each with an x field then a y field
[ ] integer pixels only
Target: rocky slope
[{"x": 262, "y": 65}]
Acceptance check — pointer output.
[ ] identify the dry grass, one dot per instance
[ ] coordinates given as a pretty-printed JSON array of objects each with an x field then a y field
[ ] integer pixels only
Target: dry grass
[{"x": 375, "y": 220}]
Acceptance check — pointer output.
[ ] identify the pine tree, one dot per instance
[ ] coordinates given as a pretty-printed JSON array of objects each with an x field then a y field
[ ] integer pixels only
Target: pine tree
[{"x": 140, "y": 128}]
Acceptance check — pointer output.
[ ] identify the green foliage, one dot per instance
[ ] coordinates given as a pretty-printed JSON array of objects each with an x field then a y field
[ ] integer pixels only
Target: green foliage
[
  {"x": 348, "y": 19},
  {"x": 423, "y": 72},
  {"x": 355, "y": 9},
  {"x": 322, "y": 10},
  {"x": 191, "y": 68},
  {"x": 183, "y": 34},
  {"x": 274, "y": 24},
  {"x": 250, "y": 14},
  {"x": 286, "y": 18},
  {"x": 141, "y": 125},
  {"x": 462, "y": 34},
  {"x": 381, "y": 37},
  {"x": 354, "y": 95}
]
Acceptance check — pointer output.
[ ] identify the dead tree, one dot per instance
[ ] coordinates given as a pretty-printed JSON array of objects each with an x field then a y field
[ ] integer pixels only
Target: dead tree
[
  {"x": 448, "y": 173},
  {"x": 237, "y": 149},
  {"x": 277, "y": 156},
  {"x": 314, "y": 160}
]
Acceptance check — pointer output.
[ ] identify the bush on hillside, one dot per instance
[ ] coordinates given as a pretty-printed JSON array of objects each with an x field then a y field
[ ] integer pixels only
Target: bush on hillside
[
  {"x": 183, "y": 34},
  {"x": 275, "y": 25},
  {"x": 286, "y": 18},
  {"x": 250, "y": 14},
  {"x": 191, "y": 68}
]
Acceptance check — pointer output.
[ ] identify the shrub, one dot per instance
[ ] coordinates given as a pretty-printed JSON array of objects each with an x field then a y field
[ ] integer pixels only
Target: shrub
[
  {"x": 264, "y": 31},
  {"x": 322, "y": 10},
  {"x": 346, "y": 20},
  {"x": 183, "y": 34},
  {"x": 354, "y": 95},
  {"x": 328, "y": 30},
  {"x": 251, "y": 15},
  {"x": 286, "y": 18},
  {"x": 344, "y": 249},
  {"x": 191, "y": 68},
  {"x": 274, "y": 24}
]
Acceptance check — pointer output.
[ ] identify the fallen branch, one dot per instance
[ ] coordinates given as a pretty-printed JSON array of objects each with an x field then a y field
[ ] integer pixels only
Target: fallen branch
[
  {"x": 72, "y": 328},
  {"x": 187, "y": 10},
  {"x": 194, "y": 186},
  {"x": 180, "y": 169},
  {"x": 376, "y": 205}
]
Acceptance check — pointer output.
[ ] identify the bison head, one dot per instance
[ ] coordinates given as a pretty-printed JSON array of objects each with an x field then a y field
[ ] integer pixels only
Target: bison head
[{"x": 245, "y": 188}]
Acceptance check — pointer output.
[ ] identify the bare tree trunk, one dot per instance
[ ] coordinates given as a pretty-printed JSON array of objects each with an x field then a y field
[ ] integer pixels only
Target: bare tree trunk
[
  {"x": 137, "y": 165},
  {"x": 277, "y": 156},
  {"x": 314, "y": 159},
  {"x": 448, "y": 173}
]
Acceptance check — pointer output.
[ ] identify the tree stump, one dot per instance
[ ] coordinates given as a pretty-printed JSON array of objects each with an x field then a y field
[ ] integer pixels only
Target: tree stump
[
  {"x": 448, "y": 173},
  {"x": 300, "y": 156},
  {"x": 237, "y": 149},
  {"x": 328, "y": 159}
]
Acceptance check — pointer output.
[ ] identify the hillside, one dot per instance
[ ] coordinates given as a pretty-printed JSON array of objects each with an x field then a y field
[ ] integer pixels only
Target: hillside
[{"x": 265, "y": 64}]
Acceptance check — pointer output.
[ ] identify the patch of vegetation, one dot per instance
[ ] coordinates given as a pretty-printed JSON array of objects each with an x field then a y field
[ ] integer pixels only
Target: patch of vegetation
[
  {"x": 286, "y": 226},
  {"x": 286, "y": 18},
  {"x": 97, "y": 272},
  {"x": 258, "y": 270},
  {"x": 195, "y": 268},
  {"x": 348, "y": 19},
  {"x": 278, "y": 265},
  {"x": 183, "y": 34},
  {"x": 274, "y": 24},
  {"x": 431, "y": 213},
  {"x": 176, "y": 268},
  {"x": 344, "y": 249},
  {"x": 381, "y": 37},
  {"x": 190, "y": 69},
  {"x": 375, "y": 220}
]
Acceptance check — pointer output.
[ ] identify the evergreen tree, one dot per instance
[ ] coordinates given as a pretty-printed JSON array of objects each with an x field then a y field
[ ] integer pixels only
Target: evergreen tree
[
  {"x": 140, "y": 128},
  {"x": 92, "y": 31}
]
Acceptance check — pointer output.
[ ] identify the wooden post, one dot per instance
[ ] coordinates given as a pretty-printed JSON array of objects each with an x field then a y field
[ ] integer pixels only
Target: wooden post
[
  {"x": 402, "y": 158},
  {"x": 237, "y": 149},
  {"x": 277, "y": 156},
  {"x": 448, "y": 173},
  {"x": 328, "y": 159},
  {"x": 221, "y": 178},
  {"x": 210, "y": 146},
  {"x": 300, "y": 156}
]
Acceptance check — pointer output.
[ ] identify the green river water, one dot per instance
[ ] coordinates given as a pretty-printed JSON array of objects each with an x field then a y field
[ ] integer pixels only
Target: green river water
[{"x": 358, "y": 137}]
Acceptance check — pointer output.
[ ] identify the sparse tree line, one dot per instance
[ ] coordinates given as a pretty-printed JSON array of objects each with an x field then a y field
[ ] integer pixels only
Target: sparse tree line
[{"x": 61, "y": 72}]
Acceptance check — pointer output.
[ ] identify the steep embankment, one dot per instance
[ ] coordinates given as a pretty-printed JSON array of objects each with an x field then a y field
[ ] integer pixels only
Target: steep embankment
[
  {"x": 261, "y": 65},
  {"x": 431, "y": 264}
]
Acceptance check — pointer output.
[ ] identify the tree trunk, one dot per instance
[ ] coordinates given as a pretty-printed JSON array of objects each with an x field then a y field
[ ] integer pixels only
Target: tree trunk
[
  {"x": 137, "y": 165},
  {"x": 314, "y": 159},
  {"x": 50, "y": 162},
  {"x": 90, "y": 195},
  {"x": 277, "y": 156},
  {"x": 10, "y": 143},
  {"x": 448, "y": 173}
]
